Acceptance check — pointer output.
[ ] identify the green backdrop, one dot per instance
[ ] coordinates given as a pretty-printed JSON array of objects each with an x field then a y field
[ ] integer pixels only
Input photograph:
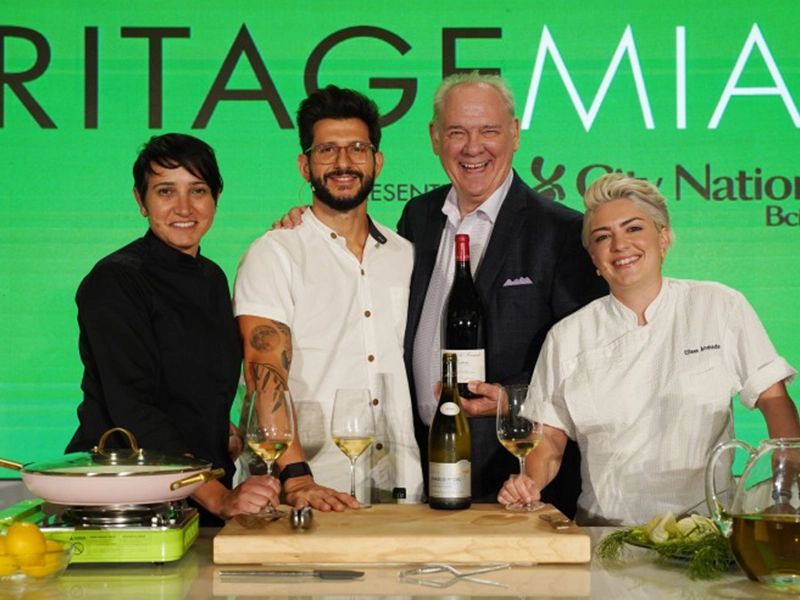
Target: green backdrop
[{"x": 701, "y": 98}]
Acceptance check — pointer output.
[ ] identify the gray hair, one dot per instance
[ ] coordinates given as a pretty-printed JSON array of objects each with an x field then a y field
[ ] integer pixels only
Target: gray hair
[
  {"x": 471, "y": 78},
  {"x": 641, "y": 192}
]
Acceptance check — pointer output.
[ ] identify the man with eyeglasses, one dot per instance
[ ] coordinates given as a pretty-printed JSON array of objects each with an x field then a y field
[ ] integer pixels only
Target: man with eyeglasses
[{"x": 323, "y": 307}]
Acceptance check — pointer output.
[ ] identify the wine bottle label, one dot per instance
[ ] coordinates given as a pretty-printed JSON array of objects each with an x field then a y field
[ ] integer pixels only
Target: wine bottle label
[
  {"x": 450, "y": 409},
  {"x": 450, "y": 480},
  {"x": 471, "y": 364}
]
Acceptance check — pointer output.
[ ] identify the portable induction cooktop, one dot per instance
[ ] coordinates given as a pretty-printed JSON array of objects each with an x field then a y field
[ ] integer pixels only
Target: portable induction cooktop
[{"x": 143, "y": 533}]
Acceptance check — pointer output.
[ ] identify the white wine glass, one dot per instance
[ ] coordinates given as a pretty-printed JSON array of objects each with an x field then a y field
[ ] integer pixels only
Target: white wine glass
[
  {"x": 353, "y": 428},
  {"x": 270, "y": 430},
  {"x": 519, "y": 431}
]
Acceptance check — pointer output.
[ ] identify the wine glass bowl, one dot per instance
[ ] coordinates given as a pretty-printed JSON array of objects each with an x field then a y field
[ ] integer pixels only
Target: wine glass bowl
[
  {"x": 519, "y": 430},
  {"x": 270, "y": 430},
  {"x": 352, "y": 428}
]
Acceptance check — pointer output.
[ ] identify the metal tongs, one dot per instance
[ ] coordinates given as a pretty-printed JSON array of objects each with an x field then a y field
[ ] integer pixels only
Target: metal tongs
[{"x": 411, "y": 576}]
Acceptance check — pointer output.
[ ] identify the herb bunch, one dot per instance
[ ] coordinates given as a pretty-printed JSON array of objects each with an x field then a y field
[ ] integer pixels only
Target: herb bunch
[{"x": 694, "y": 539}]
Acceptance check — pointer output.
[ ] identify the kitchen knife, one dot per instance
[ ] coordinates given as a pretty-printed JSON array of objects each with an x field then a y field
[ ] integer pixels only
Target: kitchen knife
[{"x": 321, "y": 574}]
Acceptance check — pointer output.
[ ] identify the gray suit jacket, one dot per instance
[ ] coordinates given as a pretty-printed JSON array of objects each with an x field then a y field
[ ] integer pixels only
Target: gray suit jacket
[{"x": 534, "y": 238}]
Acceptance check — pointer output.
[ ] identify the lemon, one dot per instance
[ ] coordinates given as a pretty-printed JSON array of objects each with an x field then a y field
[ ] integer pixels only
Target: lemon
[
  {"x": 7, "y": 563},
  {"x": 26, "y": 543},
  {"x": 52, "y": 561}
]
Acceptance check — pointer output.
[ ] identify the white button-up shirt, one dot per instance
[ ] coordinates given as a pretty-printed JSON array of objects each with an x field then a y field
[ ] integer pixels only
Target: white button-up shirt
[
  {"x": 647, "y": 404},
  {"x": 478, "y": 224},
  {"x": 347, "y": 321}
]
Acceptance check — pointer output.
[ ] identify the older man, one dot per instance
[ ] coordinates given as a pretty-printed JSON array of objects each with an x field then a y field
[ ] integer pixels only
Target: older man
[{"x": 530, "y": 269}]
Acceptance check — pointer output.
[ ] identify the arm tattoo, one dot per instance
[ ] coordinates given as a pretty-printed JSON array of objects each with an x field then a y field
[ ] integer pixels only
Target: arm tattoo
[
  {"x": 284, "y": 329},
  {"x": 286, "y": 355},
  {"x": 264, "y": 338},
  {"x": 266, "y": 377},
  {"x": 286, "y": 358}
]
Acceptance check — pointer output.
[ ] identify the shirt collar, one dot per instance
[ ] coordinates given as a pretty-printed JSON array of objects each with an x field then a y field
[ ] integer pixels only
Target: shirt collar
[
  {"x": 374, "y": 232},
  {"x": 650, "y": 313},
  {"x": 166, "y": 253},
  {"x": 489, "y": 208}
]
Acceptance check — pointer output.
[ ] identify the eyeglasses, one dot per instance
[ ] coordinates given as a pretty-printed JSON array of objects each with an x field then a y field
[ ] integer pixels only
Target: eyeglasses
[{"x": 326, "y": 154}]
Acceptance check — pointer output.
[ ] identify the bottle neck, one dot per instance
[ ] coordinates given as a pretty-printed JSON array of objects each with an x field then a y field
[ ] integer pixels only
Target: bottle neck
[
  {"x": 463, "y": 268},
  {"x": 449, "y": 376}
]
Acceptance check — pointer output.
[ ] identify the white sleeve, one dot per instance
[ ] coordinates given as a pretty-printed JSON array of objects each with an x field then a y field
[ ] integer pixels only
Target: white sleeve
[
  {"x": 548, "y": 388},
  {"x": 263, "y": 282},
  {"x": 752, "y": 356}
]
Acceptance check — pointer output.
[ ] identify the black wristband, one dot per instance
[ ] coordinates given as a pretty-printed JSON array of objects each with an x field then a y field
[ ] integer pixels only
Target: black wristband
[{"x": 297, "y": 469}]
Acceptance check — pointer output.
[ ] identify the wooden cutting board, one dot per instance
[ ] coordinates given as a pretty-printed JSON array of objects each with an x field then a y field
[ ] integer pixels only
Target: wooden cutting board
[{"x": 405, "y": 533}]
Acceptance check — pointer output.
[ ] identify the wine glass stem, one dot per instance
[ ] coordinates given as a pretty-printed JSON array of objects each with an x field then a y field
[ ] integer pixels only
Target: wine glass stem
[
  {"x": 522, "y": 465},
  {"x": 353, "y": 477}
]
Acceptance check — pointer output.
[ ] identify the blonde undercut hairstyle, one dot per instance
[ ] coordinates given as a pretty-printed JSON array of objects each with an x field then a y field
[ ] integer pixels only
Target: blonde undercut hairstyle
[{"x": 641, "y": 192}]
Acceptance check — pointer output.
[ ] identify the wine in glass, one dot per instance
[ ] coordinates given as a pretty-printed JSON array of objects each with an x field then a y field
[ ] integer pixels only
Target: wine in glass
[
  {"x": 519, "y": 430},
  {"x": 353, "y": 428},
  {"x": 270, "y": 430}
]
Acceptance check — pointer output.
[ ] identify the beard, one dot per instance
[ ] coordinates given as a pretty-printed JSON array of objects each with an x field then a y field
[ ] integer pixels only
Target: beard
[{"x": 345, "y": 204}]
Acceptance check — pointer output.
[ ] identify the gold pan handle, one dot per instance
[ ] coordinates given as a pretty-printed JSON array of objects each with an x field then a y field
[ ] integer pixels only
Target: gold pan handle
[
  {"x": 199, "y": 478},
  {"x": 10, "y": 464}
]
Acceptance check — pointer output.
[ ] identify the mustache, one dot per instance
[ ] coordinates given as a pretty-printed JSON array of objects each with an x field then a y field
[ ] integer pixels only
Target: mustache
[{"x": 343, "y": 172}]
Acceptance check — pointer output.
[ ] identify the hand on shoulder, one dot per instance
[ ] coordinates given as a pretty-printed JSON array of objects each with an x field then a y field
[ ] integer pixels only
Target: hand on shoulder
[{"x": 292, "y": 219}]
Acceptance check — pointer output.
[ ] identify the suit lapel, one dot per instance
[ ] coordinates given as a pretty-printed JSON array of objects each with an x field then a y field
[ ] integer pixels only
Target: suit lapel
[{"x": 507, "y": 228}]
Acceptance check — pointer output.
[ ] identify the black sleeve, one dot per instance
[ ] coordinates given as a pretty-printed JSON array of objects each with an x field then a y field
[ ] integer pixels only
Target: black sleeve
[{"x": 120, "y": 351}]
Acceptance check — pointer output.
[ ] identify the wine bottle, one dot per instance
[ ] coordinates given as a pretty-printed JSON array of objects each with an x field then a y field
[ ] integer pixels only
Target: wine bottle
[
  {"x": 449, "y": 446},
  {"x": 463, "y": 322}
]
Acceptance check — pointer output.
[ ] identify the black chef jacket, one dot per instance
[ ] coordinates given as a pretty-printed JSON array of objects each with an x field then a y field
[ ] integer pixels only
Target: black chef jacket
[{"x": 161, "y": 354}]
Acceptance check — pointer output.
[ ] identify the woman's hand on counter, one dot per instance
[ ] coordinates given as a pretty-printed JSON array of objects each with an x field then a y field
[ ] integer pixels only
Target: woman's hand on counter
[
  {"x": 251, "y": 496},
  {"x": 519, "y": 488},
  {"x": 304, "y": 491}
]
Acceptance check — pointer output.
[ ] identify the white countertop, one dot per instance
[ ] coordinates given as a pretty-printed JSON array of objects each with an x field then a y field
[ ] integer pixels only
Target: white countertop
[{"x": 196, "y": 577}]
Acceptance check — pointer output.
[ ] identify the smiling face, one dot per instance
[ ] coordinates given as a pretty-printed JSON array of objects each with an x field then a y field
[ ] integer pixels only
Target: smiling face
[
  {"x": 179, "y": 207},
  {"x": 475, "y": 139},
  {"x": 627, "y": 248},
  {"x": 341, "y": 185}
]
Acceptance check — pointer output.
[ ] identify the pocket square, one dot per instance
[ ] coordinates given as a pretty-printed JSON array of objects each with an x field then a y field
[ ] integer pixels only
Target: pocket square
[{"x": 518, "y": 281}]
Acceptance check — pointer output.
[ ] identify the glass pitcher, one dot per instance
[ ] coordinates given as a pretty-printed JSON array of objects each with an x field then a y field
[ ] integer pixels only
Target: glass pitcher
[{"x": 763, "y": 520}]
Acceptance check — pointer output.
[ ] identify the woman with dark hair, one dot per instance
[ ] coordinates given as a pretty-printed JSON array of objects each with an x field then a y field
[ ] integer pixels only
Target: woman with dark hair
[{"x": 158, "y": 340}]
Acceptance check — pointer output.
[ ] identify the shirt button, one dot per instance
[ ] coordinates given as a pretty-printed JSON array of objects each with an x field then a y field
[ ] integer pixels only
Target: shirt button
[
  {"x": 363, "y": 272},
  {"x": 371, "y": 358},
  {"x": 378, "y": 446},
  {"x": 375, "y": 402},
  {"x": 367, "y": 314},
  {"x": 333, "y": 236}
]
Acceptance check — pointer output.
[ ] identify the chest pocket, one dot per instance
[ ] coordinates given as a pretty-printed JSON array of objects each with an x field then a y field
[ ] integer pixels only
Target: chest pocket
[{"x": 708, "y": 381}]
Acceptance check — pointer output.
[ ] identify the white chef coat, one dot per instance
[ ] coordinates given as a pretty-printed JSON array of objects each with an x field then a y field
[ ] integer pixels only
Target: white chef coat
[
  {"x": 647, "y": 404},
  {"x": 347, "y": 321}
]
